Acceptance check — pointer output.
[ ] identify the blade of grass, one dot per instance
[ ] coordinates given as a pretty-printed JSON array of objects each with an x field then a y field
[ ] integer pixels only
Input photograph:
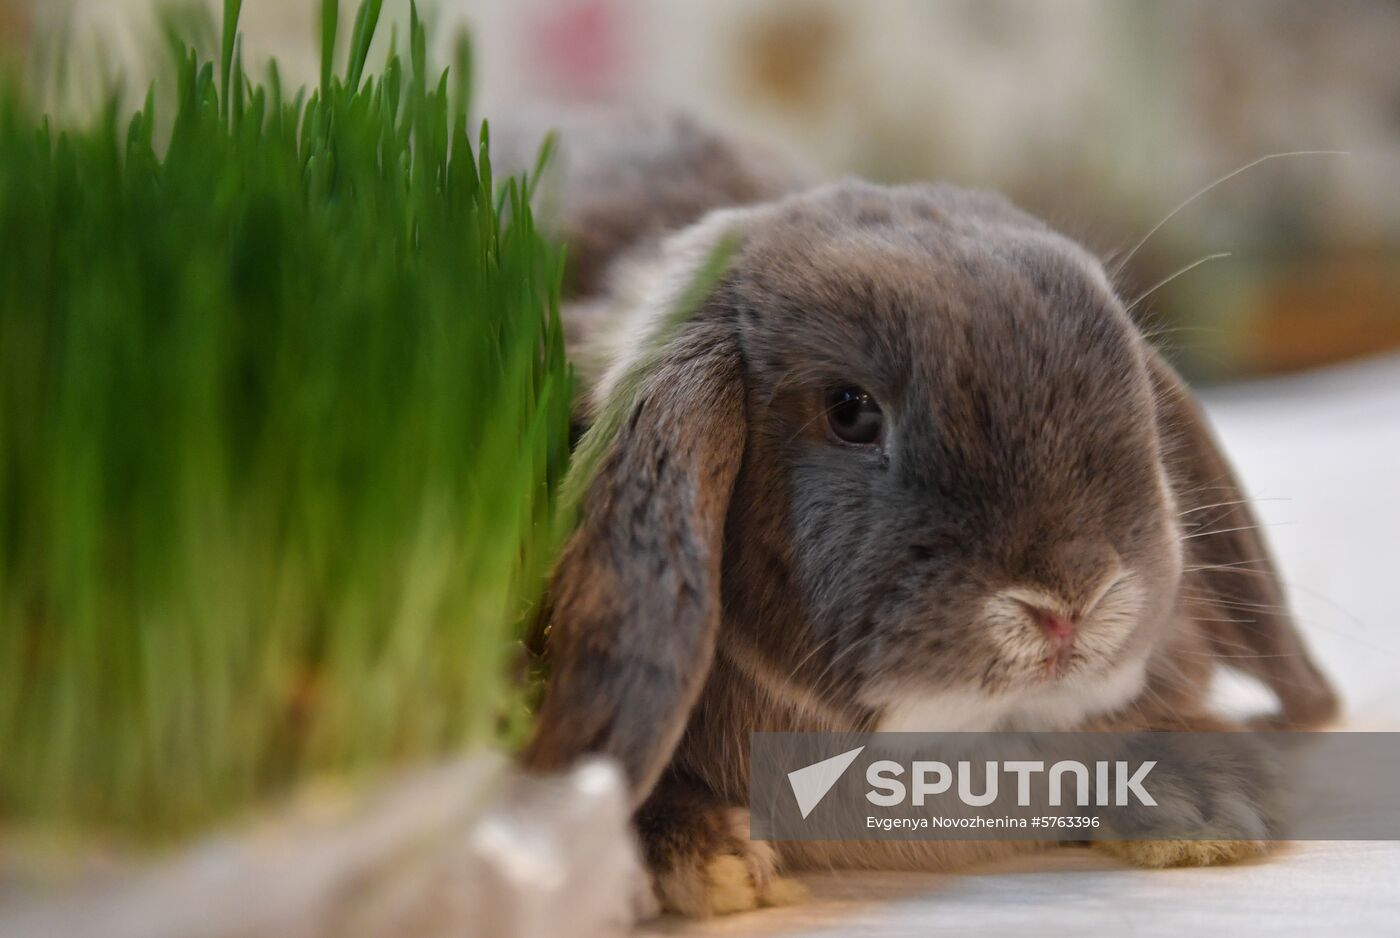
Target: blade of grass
[
  {"x": 366, "y": 21},
  {"x": 330, "y": 18},
  {"x": 232, "y": 9}
]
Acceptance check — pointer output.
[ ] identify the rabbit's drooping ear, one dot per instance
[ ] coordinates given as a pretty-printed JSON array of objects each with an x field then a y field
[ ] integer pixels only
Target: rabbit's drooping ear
[
  {"x": 635, "y": 598},
  {"x": 1230, "y": 574}
]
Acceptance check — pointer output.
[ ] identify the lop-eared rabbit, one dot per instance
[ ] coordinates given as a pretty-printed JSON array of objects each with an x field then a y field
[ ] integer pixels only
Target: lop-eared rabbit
[{"x": 906, "y": 463}]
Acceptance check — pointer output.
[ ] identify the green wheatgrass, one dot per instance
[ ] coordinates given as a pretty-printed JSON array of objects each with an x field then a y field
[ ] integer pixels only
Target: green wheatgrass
[{"x": 283, "y": 406}]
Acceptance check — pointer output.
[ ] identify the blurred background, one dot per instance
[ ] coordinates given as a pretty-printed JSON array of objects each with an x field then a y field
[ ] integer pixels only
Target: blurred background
[{"x": 1099, "y": 115}]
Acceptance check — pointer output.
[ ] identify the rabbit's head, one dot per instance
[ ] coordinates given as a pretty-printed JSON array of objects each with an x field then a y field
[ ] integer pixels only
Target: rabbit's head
[{"x": 908, "y": 447}]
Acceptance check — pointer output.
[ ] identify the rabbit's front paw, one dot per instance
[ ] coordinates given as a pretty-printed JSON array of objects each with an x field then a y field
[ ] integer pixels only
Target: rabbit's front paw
[
  {"x": 1216, "y": 802},
  {"x": 703, "y": 863},
  {"x": 1157, "y": 854}
]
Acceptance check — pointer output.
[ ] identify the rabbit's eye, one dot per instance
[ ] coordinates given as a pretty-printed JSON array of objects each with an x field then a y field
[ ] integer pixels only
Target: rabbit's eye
[{"x": 853, "y": 415}]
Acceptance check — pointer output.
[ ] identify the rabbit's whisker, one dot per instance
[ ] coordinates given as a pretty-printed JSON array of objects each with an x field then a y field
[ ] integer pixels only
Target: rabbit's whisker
[
  {"x": 1243, "y": 527},
  {"x": 1237, "y": 501},
  {"x": 1122, "y": 264},
  {"x": 1166, "y": 280}
]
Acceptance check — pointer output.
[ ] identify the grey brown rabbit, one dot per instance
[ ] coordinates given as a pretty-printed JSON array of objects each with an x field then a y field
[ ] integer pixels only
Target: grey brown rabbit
[{"x": 909, "y": 465}]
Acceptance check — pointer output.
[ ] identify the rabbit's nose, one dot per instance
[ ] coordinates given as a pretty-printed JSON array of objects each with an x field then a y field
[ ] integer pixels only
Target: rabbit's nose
[{"x": 1057, "y": 626}]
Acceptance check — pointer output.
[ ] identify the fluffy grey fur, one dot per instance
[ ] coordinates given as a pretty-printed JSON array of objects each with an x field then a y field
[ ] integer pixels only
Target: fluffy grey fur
[{"x": 739, "y": 568}]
